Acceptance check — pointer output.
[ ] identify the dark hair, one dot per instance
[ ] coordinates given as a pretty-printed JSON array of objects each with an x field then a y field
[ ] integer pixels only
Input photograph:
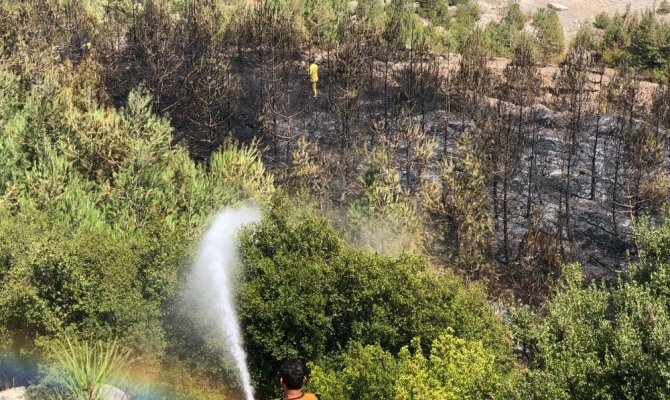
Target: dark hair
[
  {"x": 293, "y": 373},
  {"x": 312, "y": 59}
]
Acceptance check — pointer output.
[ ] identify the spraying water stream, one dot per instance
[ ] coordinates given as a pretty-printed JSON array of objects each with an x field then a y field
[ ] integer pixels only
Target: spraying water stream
[{"x": 211, "y": 280}]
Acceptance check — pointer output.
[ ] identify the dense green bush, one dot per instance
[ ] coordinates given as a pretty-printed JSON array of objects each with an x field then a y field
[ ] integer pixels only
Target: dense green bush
[
  {"x": 382, "y": 218},
  {"x": 604, "y": 343},
  {"x": 549, "y": 34},
  {"x": 664, "y": 7},
  {"x": 98, "y": 212},
  {"x": 586, "y": 39},
  {"x": 588, "y": 342},
  {"x": 634, "y": 40},
  {"x": 505, "y": 34},
  {"x": 514, "y": 17},
  {"x": 403, "y": 26},
  {"x": 653, "y": 272},
  {"x": 649, "y": 43},
  {"x": 372, "y": 16},
  {"x": 454, "y": 369},
  {"x": 87, "y": 281},
  {"x": 602, "y": 20},
  {"x": 306, "y": 294}
]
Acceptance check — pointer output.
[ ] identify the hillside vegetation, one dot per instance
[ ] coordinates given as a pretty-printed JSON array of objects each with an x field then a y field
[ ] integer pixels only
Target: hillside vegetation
[{"x": 433, "y": 227}]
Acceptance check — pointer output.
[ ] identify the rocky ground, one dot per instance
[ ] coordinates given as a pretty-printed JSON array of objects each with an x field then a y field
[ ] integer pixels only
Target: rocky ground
[
  {"x": 18, "y": 393},
  {"x": 107, "y": 392}
]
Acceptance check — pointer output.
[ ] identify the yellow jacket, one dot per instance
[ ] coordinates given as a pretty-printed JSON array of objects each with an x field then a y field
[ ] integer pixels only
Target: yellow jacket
[{"x": 314, "y": 72}]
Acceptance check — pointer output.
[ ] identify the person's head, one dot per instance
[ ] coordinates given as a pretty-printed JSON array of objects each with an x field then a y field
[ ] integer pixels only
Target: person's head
[
  {"x": 293, "y": 374},
  {"x": 312, "y": 60}
]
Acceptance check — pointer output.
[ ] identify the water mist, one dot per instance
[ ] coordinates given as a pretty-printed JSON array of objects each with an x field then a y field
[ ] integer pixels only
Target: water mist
[{"x": 211, "y": 283}]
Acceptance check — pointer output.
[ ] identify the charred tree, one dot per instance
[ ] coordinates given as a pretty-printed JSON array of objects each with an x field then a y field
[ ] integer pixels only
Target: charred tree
[{"x": 573, "y": 91}]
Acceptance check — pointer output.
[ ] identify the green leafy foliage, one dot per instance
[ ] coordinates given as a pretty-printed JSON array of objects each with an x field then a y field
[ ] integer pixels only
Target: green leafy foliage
[
  {"x": 514, "y": 17},
  {"x": 664, "y": 7},
  {"x": 372, "y": 16},
  {"x": 602, "y": 343},
  {"x": 402, "y": 23},
  {"x": 647, "y": 42},
  {"x": 91, "y": 283},
  {"x": 99, "y": 212},
  {"x": 80, "y": 369},
  {"x": 504, "y": 35},
  {"x": 383, "y": 219},
  {"x": 634, "y": 40},
  {"x": 549, "y": 34},
  {"x": 586, "y": 39},
  {"x": 459, "y": 197},
  {"x": 654, "y": 243},
  {"x": 602, "y": 20},
  {"x": 454, "y": 369},
  {"x": 465, "y": 18},
  {"x": 306, "y": 294},
  {"x": 436, "y": 11}
]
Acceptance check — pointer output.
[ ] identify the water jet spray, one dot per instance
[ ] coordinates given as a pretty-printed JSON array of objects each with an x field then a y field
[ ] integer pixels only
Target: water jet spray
[{"x": 211, "y": 283}]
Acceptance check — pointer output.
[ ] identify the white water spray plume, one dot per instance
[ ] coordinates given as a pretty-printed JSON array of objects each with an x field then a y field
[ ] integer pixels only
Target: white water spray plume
[{"x": 211, "y": 283}]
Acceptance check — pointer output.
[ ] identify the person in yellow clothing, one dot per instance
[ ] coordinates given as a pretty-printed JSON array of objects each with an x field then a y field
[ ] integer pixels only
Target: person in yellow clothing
[
  {"x": 313, "y": 74},
  {"x": 292, "y": 377}
]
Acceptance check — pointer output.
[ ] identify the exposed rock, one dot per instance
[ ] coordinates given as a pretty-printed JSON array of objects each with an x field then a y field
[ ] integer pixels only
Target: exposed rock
[
  {"x": 528, "y": 29},
  {"x": 109, "y": 392},
  {"x": 557, "y": 6},
  {"x": 542, "y": 113},
  {"x": 17, "y": 393}
]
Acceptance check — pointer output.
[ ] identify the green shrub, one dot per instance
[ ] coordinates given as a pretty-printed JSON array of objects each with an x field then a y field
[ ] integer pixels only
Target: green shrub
[
  {"x": 586, "y": 39},
  {"x": 467, "y": 14},
  {"x": 402, "y": 24},
  {"x": 454, "y": 369},
  {"x": 602, "y": 21},
  {"x": 382, "y": 218},
  {"x": 437, "y": 11},
  {"x": 654, "y": 269},
  {"x": 89, "y": 282},
  {"x": 305, "y": 294},
  {"x": 80, "y": 369},
  {"x": 99, "y": 213},
  {"x": 503, "y": 35},
  {"x": 464, "y": 21},
  {"x": 549, "y": 34},
  {"x": 647, "y": 43},
  {"x": 514, "y": 18},
  {"x": 11, "y": 94},
  {"x": 616, "y": 57},
  {"x": 597, "y": 342},
  {"x": 526, "y": 49},
  {"x": 664, "y": 7},
  {"x": 500, "y": 39},
  {"x": 615, "y": 43},
  {"x": 361, "y": 372},
  {"x": 371, "y": 14}
]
